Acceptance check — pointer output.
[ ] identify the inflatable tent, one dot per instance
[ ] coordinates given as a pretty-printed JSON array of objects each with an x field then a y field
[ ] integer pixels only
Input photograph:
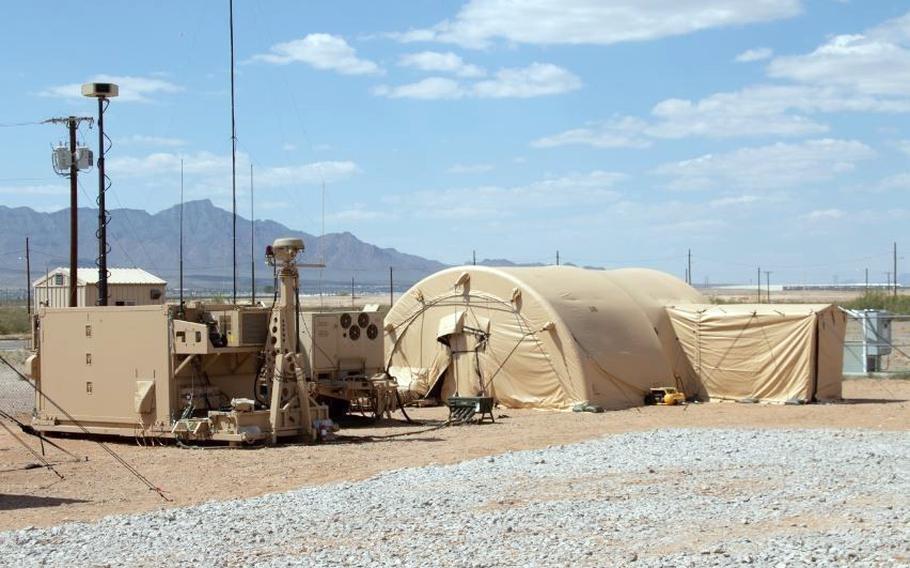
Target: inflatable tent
[
  {"x": 763, "y": 352},
  {"x": 543, "y": 337}
]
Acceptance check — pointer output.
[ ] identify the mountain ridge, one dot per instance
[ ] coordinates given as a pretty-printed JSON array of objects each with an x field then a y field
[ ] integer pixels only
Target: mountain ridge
[{"x": 151, "y": 241}]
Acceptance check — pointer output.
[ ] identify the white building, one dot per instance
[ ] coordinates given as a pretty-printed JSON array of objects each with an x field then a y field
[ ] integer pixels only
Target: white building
[{"x": 125, "y": 287}]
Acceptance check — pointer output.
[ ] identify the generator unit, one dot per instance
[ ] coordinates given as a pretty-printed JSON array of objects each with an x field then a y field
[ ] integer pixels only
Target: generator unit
[
  {"x": 343, "y": 343},
  {"x": 344, "y": 357}
]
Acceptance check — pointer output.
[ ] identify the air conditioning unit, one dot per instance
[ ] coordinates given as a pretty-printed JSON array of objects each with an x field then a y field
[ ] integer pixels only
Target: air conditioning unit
[{"x": 244, "y": 327}]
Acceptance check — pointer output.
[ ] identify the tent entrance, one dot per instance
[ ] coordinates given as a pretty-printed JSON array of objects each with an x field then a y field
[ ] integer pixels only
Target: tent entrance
[{"x": 462, "y": 373}]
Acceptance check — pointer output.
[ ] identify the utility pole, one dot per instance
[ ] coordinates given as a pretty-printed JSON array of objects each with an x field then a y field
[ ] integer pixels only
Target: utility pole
[
  {"x": 689, "y": 270},
  {"x": 252, "y": 239},
  {"x": 391, "y": 288},
  {"x": 352, "y": 291},
  {"x": 28, "y": 277},
  {"x": 759, "y": 284},
  {"x": 895, "y": 269},
  {"x": 557, "y": 257},
  {"x": 474, "y": 257},
  {"x": 71, "y": 163},
  {"x": 866, "y": 289},
  {"x": 768, "y": 284}
]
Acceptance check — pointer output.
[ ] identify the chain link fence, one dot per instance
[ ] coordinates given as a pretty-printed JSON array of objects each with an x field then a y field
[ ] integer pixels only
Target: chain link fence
[{"x": 17, "y": 397}]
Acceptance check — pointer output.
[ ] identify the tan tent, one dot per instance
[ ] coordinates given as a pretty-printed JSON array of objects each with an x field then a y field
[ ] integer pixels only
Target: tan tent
[
  {"x": 763, "y": 352},
  {"x": 548, "y": 337}
]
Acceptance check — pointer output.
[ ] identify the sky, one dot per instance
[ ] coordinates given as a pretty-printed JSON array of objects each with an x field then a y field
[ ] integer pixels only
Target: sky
[{"x": 768, "y": 133}]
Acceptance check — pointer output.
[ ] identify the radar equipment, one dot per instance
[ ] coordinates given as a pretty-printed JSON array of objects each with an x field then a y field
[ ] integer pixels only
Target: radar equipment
[{"x": 284, "y": 364}]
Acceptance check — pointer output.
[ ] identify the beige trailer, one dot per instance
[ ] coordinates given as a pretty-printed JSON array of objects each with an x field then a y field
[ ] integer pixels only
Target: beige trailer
[
  {"x": 197, "y": 372},
  {"x": 126, "y": 287}
]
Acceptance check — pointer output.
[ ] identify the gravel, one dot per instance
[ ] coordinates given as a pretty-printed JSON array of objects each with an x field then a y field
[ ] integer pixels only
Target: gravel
[{"x": 657, "y": 498}]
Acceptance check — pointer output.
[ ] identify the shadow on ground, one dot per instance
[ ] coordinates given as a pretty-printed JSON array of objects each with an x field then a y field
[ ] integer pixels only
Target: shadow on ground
[{"x": 12, "y": 502}]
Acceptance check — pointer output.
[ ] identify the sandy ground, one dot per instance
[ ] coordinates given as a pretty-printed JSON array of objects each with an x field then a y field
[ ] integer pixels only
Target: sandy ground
[{"x": 99, "y": 487}]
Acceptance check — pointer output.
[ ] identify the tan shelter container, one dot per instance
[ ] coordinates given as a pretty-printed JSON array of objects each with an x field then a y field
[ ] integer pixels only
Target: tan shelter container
[
  {"x": 547, "y": 337},
  {"x": 763, "y": 352}
]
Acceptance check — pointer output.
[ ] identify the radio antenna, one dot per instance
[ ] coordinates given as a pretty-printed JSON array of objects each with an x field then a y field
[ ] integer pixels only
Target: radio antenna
[
  {"x": 233, "y": 160},
  {"x": 181, "y": 235}
]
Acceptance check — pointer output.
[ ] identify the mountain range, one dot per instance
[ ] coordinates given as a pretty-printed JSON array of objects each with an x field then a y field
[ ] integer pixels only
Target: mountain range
[{"x": 151, "y": 241}]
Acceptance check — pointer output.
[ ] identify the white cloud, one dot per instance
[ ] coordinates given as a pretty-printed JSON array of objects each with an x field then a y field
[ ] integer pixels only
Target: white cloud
[
  {"x": 322, "y": 51},
  {"x": 894, "y": 182},
  {"x": 763, "y": 110},
  {"x": 213, "y": 170},
  {"x": 757, "y": 54},
  {"x": 315, "y": 172},
  {"x": 469, "y": 168},
  {"x": 594, "y": 21},
  {"x": 535, "y": 80},
  {"x": 359, "y": 212},
  {"x": 621, "y": 132},
  {"x": 141, "y": 140},
  {"x": 768, "y": 167},
  {"x": 132, "y": 89},
  {"x": 569, "y": 191},
  {"x": 447, "y": 62},
  {"x": 169, "y": 163},
  {"x": 431, "y": 88},
  {"x": 823, "y": 215},
  {"x": 733, "y": 201},
  {"x": 875, "y": 62},
  {"x": 867, "y": 72},
  {"x": 43, "y": 189}
]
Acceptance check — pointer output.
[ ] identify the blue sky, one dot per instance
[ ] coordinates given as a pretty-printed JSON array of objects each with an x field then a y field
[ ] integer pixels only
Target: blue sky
[{"x": 769, "y": 132}]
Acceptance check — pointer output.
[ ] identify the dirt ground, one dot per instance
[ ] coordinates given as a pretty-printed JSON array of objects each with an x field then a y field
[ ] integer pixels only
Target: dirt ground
[{"x": 99, "y": 487}]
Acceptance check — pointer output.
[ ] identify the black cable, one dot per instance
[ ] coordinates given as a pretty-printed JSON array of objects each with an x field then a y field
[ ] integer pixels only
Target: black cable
[
  {"x": 26, "y": 429},
  {"x": 401, "y": 407}
]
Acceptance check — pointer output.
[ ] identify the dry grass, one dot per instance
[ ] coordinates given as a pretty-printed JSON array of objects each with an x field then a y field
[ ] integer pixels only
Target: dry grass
[{"x": 13, "y": 320}]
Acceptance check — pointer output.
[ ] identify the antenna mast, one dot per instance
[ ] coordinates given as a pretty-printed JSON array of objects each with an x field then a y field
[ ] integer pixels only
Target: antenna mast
[{"x": 233, "y": 161}]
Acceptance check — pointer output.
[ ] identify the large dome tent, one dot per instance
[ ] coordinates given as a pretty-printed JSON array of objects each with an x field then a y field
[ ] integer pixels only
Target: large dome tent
[{"x": 543, "y": 337}]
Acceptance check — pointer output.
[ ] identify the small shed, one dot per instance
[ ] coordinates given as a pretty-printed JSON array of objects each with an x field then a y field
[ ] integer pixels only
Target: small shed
[{"x": 126, "y": 287}]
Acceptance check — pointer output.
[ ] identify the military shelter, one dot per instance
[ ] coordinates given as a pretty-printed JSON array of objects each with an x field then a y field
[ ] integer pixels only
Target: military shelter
[
  {"x": 126, "y": 287},
  {"x": 762, "y": 352},
  {"x": 543, "y": 337}
]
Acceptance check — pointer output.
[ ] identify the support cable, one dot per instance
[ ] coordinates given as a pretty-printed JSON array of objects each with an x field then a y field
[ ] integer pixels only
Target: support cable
[
  {"x": 120, "y": 460},
  {"x": 37, "y": 456}
]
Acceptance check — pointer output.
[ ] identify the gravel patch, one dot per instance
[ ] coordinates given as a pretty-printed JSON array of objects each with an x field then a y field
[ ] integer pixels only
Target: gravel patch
[{"x": 657, "y": 498}]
